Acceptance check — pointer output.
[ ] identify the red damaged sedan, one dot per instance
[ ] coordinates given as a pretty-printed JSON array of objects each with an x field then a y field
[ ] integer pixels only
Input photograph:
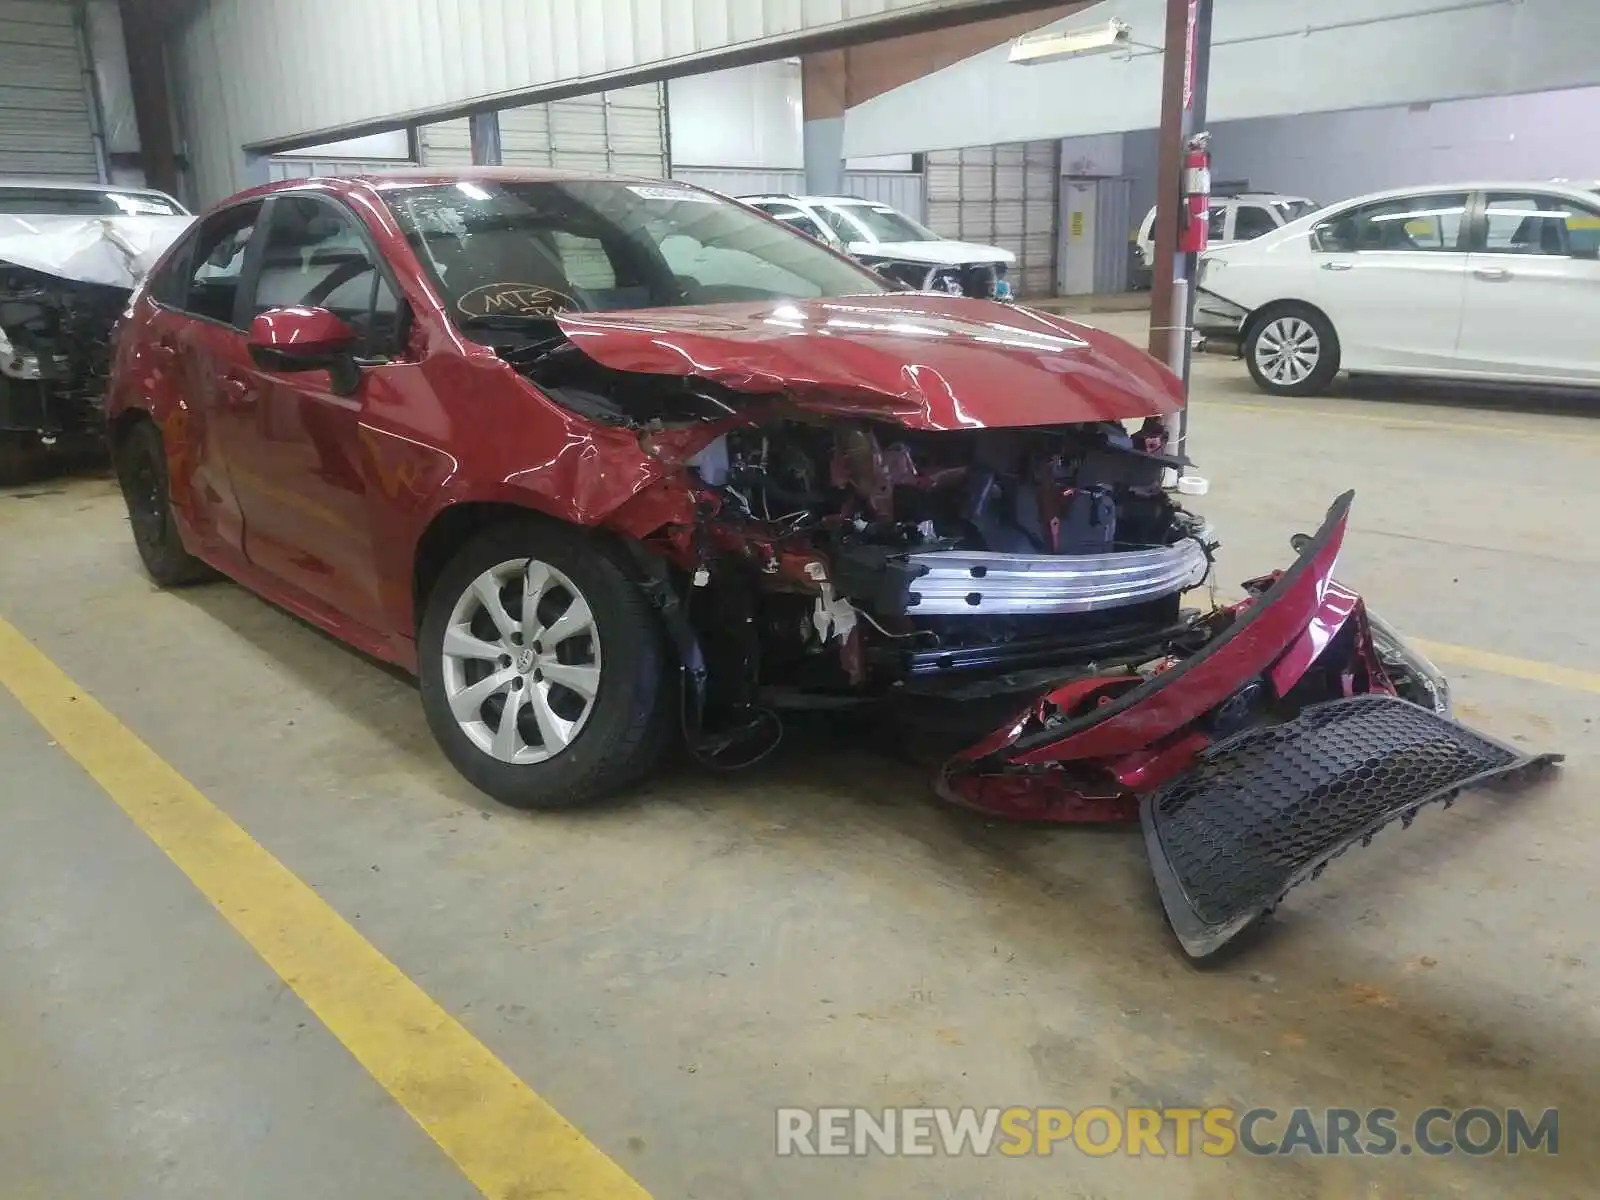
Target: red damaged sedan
[{"x": 615, "y": 463}]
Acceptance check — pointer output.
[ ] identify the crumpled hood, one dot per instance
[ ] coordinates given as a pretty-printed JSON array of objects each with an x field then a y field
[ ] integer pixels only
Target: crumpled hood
[
  {"x": 927, "y": 362},
  {"x": 941, "y": 253},
  {"x": 114, "y": 251}
]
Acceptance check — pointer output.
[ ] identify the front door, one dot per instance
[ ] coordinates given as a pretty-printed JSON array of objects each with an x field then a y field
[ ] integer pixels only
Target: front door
[
  {"x": 1392, "y": 277},
  {"x": 295, "y": 447},
  {"x": 1533, "y": 290}
]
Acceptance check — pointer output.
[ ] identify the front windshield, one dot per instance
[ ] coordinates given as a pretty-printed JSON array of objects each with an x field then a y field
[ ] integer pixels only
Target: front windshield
[
  {"x": 85, "y": 202},
  {"x": 887, "y": 225},
  {"x": 503, "y": 252},
  {"x": 1293, "y": 210}
]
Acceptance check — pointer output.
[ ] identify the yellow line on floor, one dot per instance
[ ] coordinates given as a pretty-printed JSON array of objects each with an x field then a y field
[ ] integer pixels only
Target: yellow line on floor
[
  {"x": 505, "y": 1139},
  {"x": 1293, "y": 410},
  {"x": 1505, "y": 664}
]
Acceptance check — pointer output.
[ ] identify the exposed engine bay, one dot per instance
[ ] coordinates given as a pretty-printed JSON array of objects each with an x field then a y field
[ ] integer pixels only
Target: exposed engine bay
[
  {"x": 62, "y": 290},
  {"x": 875, "y": 558},
  {"x": 54, "y": 354},
  {"x": 829, "y": 530}
]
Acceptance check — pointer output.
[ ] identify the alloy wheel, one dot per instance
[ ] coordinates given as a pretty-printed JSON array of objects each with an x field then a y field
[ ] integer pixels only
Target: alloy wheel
[
  {"x": 1288, "y": 351},
  {"x": 521, "y": 661}
]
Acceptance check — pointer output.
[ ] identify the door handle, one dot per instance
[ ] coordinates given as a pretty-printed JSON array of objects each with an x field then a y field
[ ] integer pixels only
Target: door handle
[
  {"x": 237, "y": 387},
  {"x": 1492, "y": 274},
  {"x": 1338, "y": 266}
]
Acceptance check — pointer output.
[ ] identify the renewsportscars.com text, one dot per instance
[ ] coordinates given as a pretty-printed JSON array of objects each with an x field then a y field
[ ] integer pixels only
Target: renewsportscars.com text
[{"x": 1160, "y": 1132}]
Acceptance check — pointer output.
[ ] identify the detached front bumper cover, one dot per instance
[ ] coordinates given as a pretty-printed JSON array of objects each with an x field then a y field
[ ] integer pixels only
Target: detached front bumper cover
[{"x": 1269, "y": 808}]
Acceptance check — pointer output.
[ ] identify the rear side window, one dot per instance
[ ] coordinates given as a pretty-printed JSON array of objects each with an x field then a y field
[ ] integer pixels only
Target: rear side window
[
  {"x": 1409, "y": 223},
  {"x": 1520, "y": 223},
  {"x": 1252, "y": 221},
  {"x": 202, "y": 277}
]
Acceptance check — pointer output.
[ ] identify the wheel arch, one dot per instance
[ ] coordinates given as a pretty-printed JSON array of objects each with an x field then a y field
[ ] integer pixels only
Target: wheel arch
[
  {"x": 456, "y": 523},
  {"x": 122, "y": 424}
]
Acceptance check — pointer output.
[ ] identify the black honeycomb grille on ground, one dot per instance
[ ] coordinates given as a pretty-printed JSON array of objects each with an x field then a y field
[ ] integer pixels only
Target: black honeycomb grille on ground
[{"x": 1271, "y": 806}]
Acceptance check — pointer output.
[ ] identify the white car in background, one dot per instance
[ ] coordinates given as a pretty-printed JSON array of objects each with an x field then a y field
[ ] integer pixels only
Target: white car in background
[
  {"x": 1237, "y": 218},
  {"x": 890, "y": 242},
  {"x": 1489, "y": 282}
]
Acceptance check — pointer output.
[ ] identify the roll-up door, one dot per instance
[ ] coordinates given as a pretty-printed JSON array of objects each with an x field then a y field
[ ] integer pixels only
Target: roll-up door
[
  {"x": 621, "y": 132},
  {"x": 1000, "y": 196},
  {"x": 46, "y": 130}
]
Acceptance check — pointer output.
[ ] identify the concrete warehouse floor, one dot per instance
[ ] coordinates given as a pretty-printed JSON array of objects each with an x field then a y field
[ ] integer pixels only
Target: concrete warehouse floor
[{"x": 668, "y": 971}]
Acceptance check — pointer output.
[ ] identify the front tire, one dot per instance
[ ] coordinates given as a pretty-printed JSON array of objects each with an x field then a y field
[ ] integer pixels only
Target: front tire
[
  {"x": 141, "y": 462},
  {"x": 1292, "y": 350},
  {"x": 544, "y": 674}
]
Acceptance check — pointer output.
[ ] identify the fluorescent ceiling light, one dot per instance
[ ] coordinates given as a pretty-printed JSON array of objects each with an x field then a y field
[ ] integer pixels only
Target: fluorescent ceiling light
[{"x": 1054, "y": 45}]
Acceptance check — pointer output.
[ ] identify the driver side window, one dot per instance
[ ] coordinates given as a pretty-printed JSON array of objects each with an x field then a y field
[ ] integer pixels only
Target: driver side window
[{"x": 316, "y": 256}]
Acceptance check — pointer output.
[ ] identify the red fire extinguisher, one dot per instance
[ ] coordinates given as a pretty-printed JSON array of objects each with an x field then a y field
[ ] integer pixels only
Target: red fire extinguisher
[{"x": 1196, "y": 207}]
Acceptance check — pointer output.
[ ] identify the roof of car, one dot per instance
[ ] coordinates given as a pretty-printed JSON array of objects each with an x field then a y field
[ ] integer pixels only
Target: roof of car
[
  {"x": 435, "y": 176},
  {"x": 1576, "y": 190}
]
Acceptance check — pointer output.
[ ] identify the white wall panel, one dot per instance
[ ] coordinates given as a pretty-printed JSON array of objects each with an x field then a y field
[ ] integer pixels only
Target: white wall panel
[
  {"x": 1264, "y": 63},
  {"x": 743, "y": 117},
  {"x": 733, "y": 181},
  {"x": 900, "y": 190},
  {"x": 252, "y": 71}
]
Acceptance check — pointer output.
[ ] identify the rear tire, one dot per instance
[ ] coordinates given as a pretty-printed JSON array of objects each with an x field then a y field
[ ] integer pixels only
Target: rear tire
[
  {"x": 552, "y": 708},
  {"x": 141, "y": 462},
  {"x": 1292, "y": 350}
]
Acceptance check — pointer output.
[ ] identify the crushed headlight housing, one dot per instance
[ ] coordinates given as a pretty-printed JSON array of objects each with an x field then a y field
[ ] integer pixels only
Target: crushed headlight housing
[{"x": 1411, "y": 671}]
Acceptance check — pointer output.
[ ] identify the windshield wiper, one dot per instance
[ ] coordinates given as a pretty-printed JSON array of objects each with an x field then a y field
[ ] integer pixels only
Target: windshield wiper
[{"x": 517, "y": 322}]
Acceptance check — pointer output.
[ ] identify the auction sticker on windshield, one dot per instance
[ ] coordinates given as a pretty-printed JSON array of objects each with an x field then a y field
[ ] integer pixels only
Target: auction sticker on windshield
[{"x": 655, "y": 192}]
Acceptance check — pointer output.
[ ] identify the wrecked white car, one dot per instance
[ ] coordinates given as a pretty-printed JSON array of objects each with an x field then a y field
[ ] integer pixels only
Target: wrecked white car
[{"x": 70, "y": 255}]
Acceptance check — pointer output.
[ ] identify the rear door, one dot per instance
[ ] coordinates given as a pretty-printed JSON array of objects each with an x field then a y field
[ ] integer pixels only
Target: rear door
[
  {"x": 1392, "y": 276},
  {"x": 194, "y": 345},
  {"x": 1533, "y": 289}
]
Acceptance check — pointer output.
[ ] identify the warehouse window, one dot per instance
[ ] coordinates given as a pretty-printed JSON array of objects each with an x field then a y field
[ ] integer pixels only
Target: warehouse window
[
  {"x": 1407, "y": 223},
  {"x": 1520, "y": 223}
]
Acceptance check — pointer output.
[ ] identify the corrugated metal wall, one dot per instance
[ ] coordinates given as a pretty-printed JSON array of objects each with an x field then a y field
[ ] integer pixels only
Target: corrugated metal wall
[
  {"x": 247, "y": 71},
  {"x": 622, "y": 132},
  {"x": 1113, "y": 215},
  {"x": 743, "y": 181},
  {"x": 899, "y": 189},
  {"x": 45, "y": 127},
  {"x": 1004, "y": 196}
]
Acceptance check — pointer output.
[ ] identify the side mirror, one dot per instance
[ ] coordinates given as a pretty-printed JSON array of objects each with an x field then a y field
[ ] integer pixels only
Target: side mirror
[{"x": 306, "y": 339}]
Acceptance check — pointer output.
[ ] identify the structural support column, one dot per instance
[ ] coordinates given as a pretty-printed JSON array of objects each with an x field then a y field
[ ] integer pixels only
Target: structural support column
[
  {"x": 152, "y": 105},
  {"x": 484, "y": 132},
  {"x": 1185, "y": 81},
  {"x": 824, "y": 80}
]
